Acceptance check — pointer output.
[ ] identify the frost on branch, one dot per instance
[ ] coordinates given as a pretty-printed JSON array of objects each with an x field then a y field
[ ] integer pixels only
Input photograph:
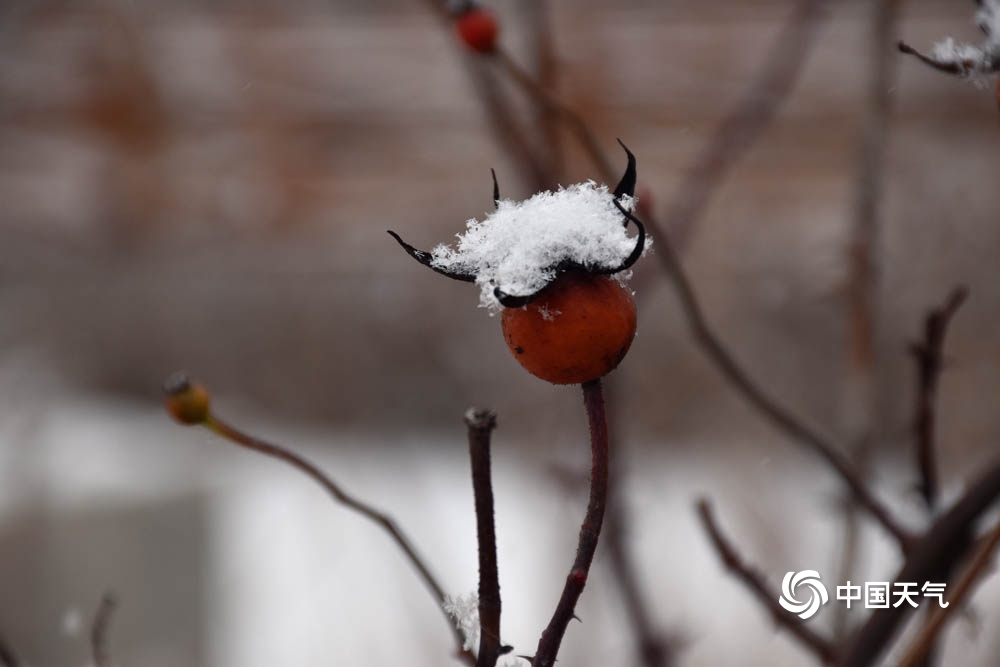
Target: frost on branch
[
  {"x": 969, "y": 61},
  {"x": 464, "y": 609},
  {"x": 521, "y": 245}
]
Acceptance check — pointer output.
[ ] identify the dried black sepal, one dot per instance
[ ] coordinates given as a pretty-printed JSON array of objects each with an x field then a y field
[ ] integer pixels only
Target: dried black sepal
[
  {"x": 425, "y": 259},
  {"x": 961, "y": 68},
  {"x": 496, "y": 189},
  {"x": 626, "y": 186}
]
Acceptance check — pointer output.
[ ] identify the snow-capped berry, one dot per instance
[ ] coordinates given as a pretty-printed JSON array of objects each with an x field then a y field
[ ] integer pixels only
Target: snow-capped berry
[{"x": 546, "y": 262}]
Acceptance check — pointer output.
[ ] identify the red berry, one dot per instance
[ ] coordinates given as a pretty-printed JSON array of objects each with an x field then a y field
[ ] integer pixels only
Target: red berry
[
  {"x": 578, "y": 329},
  {"x": 478, "y": 29}
]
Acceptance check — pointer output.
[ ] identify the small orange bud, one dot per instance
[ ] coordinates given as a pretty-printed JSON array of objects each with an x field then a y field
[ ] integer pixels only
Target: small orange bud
[
  {"x": 187, "y": 402},
  {"x": 478, "y": 29},
  {"x": 578, "y": 329}
]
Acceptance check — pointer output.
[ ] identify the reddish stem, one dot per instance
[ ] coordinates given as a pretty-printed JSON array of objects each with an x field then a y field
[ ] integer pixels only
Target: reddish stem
[{"x": 548, "y": 645}]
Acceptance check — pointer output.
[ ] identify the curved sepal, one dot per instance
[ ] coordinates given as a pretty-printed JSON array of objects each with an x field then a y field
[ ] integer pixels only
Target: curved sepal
[{"x": 425, "y": 259}]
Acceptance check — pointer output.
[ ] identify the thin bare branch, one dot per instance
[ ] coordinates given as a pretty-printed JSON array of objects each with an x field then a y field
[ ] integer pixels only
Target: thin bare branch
[
  {"x": 540, "y": 48},
  {"x": 99, "y": 629},
  {"x": 745, "y": 122},
  {"x": 590, "y": 530},
  {"x": 752, "y": 578},
  {"x": 981, "y": 561},
  {"x": 547, "y": 101},
  {"x": 931, "y": 559},
  {"x": 929, "y": 357},
  {"x": 481, "y": 424},
  {"x": 374, "y": 515},
  {"x": 766, "y": 405},
  {"x": 508, "y": 132}
]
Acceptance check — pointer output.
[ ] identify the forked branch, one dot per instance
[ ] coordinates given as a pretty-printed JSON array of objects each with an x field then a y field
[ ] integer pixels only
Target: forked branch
[
  {"x": 981, "y": 561},
  {"x": 932, "y": 559}
]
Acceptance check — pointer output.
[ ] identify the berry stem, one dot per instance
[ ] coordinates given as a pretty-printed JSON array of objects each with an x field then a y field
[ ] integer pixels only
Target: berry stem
[{"x": 548, "y": 645}]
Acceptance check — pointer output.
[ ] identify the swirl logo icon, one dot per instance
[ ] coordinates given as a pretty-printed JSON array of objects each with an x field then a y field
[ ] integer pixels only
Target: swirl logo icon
[{"x": 817, "y": 593}]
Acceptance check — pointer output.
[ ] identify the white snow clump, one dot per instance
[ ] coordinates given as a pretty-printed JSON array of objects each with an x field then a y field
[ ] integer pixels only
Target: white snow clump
[{"x": 518, "y": 247}]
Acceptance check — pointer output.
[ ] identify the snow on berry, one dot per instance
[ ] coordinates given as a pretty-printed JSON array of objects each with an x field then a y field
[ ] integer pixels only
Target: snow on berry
[
  {"x": 521, "y": 246},
  {"x": 517, "y": 251}
]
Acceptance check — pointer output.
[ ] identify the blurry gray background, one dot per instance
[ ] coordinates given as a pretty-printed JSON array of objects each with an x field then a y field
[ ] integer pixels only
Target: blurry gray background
[{"x": 207, "y": 185}]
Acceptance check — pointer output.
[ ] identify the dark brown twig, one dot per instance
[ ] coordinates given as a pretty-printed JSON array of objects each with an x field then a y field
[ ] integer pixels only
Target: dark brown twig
[
  {"x": 767, "y": 406},
  {"x": 552, "y": 104},
  {"x": 99, "y": 630},
  {"x": 932, "y": 559},
  {"x": 756, "y": 584},
  {"x": 977, "y": 567},
  {"x": 590, "y": 530},
  {"x": 481, "y": 424},
  {"x": 508, "y": 131},
  {"x": 745, "y": 122},
  {"x": 509, "y": 134},
  {"x": 7, "y": 656},
  {"x": 364, "y": 509},
  {"x": 538, "y": 20},
  {"x": 734, "y": 136},
  {"x": 929, "y": 356}
]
